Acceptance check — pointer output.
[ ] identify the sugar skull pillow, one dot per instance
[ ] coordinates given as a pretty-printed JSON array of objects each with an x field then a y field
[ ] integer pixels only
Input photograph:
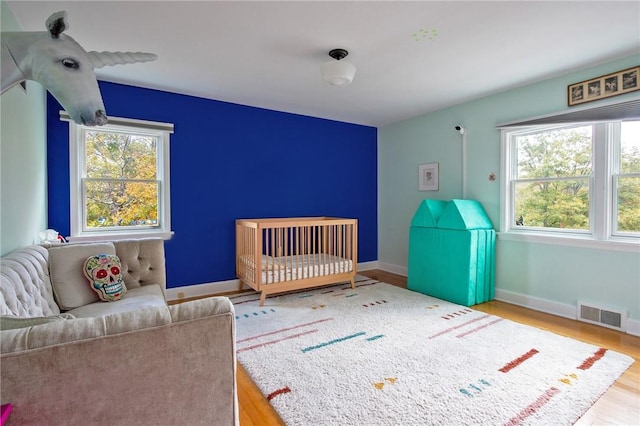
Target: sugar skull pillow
[{"x": 104, "y": 272}]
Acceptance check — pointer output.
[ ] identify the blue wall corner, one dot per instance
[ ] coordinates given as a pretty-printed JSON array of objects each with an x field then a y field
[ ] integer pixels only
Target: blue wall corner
[{"x": 231, "y": 161}]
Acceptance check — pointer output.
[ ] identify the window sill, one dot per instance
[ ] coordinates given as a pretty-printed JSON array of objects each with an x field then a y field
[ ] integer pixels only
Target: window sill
[
  {"x": 115, "y": 236},
  {"x": 632, "y": 246}
]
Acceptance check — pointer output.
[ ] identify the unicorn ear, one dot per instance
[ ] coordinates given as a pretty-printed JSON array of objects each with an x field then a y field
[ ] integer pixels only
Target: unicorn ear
[
  {"x": 101, "y": 59},
  {"x": 57, "y": 23}
]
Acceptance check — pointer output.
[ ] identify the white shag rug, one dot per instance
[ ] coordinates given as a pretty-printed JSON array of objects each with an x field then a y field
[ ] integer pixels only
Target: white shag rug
[{"x": 383, "y": 355}]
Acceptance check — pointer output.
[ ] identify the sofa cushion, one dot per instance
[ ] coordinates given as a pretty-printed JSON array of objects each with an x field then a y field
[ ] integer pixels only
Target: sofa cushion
[
  {"x": 104, "y": 273},
  {"x": 66, "y": 265},
  {"x": 64, "y": 332},
  {"x": 142, "y": 262},
  {"x": 148, "y": 296},
  {"x": 11, "y": 322}
]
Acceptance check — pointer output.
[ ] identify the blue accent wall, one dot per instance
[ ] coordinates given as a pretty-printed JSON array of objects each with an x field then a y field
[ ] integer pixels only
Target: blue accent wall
[{"x": 231, "y": 161}]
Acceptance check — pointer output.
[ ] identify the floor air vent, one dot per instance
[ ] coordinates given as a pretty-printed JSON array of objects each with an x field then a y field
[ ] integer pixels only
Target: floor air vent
[{"x": 606, "y": 317}]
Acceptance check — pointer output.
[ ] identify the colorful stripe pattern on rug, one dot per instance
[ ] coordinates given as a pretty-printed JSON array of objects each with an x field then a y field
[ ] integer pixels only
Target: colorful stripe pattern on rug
[{"x": 382, "y": 355}]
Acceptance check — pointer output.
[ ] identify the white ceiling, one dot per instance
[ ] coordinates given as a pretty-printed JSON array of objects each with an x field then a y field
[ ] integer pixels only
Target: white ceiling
[{"x": 411, "y": 57}]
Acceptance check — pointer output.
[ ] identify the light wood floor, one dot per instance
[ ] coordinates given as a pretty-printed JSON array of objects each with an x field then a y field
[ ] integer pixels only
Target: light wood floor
[{"x": 620, "y": 405}]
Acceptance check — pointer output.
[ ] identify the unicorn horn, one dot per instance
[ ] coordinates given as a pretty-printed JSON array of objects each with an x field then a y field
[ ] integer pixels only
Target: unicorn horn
[{"x": 101, "y": 59}]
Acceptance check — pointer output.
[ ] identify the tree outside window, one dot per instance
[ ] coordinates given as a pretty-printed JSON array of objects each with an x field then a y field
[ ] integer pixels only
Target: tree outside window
[
  {"x": 628, "y": 179},
  {"x": 121, "y": 188},
  {"x": 120, "y": 180},
  {"x": 580, "y": 180},
  {"x": 553, "y": 178}
]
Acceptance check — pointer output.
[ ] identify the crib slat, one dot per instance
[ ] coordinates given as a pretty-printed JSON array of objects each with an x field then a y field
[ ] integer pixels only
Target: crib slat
[{"x": 313, "y": 248}]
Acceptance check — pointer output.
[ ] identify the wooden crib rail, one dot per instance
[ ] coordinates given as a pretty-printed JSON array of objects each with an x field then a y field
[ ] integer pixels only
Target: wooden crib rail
[{"x": 280, "y": 254}]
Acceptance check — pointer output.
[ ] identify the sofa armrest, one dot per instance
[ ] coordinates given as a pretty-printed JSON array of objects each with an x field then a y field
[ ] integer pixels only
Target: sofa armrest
[
  {"x": 200, "y": 308},
  {"x": 179, "y": 368}
]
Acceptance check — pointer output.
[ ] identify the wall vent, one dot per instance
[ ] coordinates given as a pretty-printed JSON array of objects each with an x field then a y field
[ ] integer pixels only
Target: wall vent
[{"x": 599, "y": 315}]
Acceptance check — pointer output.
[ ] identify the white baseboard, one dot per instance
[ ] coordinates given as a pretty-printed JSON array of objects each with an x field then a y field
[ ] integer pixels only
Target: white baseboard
[
  {"x": 633, "y": 327},
  {"x": 209, "y": 289},
  {"x": 526, "y": 301},
  {"x": 553, "y": 308},
  {"x": 536, "y": 303},
  {"x": 394, "y": 269},
  {"x": 199, "y": 290},
  {"x": 367, "y": 266}
]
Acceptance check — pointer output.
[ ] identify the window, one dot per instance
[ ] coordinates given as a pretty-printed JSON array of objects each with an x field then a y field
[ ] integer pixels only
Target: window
[
  {"x": 120, "y": 180},
  {"x": 627, "y": 180},
  {"x": 573, "y": 181},
  {"x": 552, "y": 178}
]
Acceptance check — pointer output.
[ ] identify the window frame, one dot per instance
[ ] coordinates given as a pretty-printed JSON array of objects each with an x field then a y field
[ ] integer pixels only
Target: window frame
[
  {"x": 603, "y": 203},
  {"x": 77, "y": 179},
  {"x": 616, "y": 163}
]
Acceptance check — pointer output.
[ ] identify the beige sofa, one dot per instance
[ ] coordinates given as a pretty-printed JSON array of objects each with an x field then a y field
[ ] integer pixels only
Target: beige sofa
[{"x": 70, "y": 359}]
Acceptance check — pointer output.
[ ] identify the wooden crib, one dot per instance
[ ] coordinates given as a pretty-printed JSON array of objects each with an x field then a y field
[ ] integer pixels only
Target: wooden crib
[{"x": 283, "y": 254}]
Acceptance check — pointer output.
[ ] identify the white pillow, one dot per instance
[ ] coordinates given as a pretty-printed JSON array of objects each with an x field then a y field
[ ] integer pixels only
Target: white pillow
[{"x": 66, "y": 264}]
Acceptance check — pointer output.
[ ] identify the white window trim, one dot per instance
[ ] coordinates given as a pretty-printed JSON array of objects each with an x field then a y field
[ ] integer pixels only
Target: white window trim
[
  {"x": 611, "y": 244},
  {"x": 76, "y": 174},
  {"x": 599, "y": 237}
]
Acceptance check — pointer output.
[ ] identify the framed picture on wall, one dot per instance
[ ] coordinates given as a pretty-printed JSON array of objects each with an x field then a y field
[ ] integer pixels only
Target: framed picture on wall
[
  {"x": 605, "y": 86},
  {"x": 428, "y": 177}
]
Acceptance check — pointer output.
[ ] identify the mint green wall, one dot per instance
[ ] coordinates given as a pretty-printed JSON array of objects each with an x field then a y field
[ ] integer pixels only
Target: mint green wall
[
  {"x": 556, "y": 273},
  {"x": 23, "y": 199}
]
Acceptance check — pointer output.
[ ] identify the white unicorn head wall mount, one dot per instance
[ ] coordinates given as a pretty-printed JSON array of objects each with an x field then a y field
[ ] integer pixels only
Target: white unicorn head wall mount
[{"x": 62, "y": 66}]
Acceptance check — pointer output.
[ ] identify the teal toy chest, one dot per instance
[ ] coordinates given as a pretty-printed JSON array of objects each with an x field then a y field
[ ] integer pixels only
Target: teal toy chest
[{"x": 452, "y": 252}]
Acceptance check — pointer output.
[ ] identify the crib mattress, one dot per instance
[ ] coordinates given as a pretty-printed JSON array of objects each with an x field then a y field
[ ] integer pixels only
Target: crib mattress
[{"x": 290, "y": 268}]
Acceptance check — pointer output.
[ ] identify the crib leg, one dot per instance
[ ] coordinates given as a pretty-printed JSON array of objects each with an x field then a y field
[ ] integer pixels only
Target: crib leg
[
  {"x": 240, "y": 285},
  {"x": 263, "y": 297},
  {"x": 353, "y": 283}
]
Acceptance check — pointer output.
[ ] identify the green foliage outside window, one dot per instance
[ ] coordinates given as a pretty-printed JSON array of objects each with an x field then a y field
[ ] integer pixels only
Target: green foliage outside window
[
  {"x": 554, "y": 171},
  {"x": 629, "y": 182},
  {"x": 553, "y": 174},
  {"x": 629, "y": 204},
  {"x": 121, "y": 186}
]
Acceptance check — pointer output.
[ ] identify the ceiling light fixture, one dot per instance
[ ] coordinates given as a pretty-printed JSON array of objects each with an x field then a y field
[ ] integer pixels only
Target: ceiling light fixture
[{"x": 338, "y": 72}]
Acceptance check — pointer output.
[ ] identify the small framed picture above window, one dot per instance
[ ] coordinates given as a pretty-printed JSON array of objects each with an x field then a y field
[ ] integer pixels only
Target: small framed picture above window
[
  {"x": 605, "y": 86},
  {"x": 428, "y": 177}
]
